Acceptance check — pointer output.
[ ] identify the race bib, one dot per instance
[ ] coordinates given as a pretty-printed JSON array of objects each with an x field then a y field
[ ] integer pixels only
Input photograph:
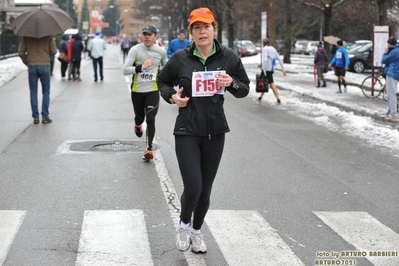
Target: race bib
[
  {"x": 204, "y": 83},
  {"x": 339, "y": 55},
  {"x": 147, "y": 76}
]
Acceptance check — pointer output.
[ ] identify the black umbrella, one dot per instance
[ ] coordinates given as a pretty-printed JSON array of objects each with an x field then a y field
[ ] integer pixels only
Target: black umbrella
[{"x": 41, "y": 21}]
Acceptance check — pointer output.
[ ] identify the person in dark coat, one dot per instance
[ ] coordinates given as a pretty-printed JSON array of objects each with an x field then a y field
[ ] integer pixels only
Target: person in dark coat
[
  {"x": 77, "y": 49},
  {"x": 204, "y": 71},
  {"x": 62, "y": 48},
  {"x": 320, "y": 61}
]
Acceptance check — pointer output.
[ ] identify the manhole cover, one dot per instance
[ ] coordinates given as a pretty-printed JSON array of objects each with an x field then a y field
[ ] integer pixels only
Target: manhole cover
[{"x": 115, "y": 146}]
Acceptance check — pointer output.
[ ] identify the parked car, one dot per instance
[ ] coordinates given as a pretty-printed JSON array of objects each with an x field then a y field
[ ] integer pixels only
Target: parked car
[
  {"x": 349, "y": 45},
  {"x": 245, "y": 48},
  {"x": 280, "y": 46},
  {"x": 258, "y": 47},
  {"x": 310, "y": 47},
  {"x": 297, "y": 48},
  {"x": 361, "y": 58},
  {"x": 357, "y": 44}
]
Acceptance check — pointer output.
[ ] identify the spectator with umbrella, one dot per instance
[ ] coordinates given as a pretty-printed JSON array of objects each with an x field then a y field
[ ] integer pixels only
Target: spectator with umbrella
[
  {"x": 37, "y": 25},
  {"x": 35, "y": 53}
]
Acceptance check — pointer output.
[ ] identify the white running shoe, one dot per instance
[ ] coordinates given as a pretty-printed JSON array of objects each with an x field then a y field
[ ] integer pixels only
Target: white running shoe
[
  {"x": 197, "y": 242},
  {"x": 183, "y": 240}
]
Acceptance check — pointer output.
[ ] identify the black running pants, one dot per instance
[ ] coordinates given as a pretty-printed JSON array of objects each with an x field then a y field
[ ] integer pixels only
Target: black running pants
[
  {"x": 145, "y": 106},
  {"x": 198, "y": 159}
]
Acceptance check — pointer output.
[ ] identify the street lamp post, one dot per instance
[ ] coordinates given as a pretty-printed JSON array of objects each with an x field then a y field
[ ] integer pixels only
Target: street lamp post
[
  {"x": 321, "y": 29},
  {"x": 117, "y": 30}
]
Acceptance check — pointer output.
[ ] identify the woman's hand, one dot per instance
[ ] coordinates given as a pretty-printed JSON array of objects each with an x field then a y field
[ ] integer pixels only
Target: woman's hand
[
  {"x": 178, "y": 99},
  {"x": 224, "y": 80}
]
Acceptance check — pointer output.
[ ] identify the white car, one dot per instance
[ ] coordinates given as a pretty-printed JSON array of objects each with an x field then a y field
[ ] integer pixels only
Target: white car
[
  {"x": 297, "y": 48},
  {"x": 310, "y": 47}
]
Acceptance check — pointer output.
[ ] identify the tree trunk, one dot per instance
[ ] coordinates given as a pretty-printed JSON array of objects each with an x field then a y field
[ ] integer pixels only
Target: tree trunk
[
  {"x": 288, "y": 31},
  {"x": 271, "y": 25},
  {"x": 219, "y": 18},
  {"x": 327, "y": 26},
  {"x": 382, "y": 13},
  {"x": 230, "y": 27}
]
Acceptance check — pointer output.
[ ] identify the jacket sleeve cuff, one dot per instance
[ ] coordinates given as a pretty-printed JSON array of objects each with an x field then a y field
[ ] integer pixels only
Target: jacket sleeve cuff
[{"x": 138, "y": 68}]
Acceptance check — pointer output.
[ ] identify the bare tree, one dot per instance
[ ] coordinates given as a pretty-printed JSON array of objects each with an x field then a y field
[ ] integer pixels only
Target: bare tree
[
  {"x": 326, "y": 7},
  {"x": 287, "y": 19},
  {"x": 173, "y": 14},
  {"x": 382, "y": 12}
]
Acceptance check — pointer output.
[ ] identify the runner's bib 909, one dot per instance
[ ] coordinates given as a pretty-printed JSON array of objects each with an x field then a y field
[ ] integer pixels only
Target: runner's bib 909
[{"x": 204, "y": 83}]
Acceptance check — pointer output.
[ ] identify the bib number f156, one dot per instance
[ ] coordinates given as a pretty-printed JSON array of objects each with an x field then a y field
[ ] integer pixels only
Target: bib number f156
[{"x": 204, "y": 84}]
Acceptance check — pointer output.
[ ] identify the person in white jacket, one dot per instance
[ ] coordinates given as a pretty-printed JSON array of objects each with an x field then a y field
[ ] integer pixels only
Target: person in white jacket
[
  {"x": 269, "y": 58},
  {"x": 96, "y": 48}
]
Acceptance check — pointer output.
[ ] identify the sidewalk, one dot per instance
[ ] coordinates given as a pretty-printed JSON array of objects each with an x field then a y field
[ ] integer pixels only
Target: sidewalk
[{"x": 83, "y": 109}]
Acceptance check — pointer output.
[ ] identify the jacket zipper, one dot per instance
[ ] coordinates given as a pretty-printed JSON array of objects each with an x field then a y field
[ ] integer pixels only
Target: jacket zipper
[{"x": 209, "y": 123}]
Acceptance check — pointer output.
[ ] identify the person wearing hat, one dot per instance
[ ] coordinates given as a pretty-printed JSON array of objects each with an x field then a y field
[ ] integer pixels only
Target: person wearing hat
[
  {"x": 340, "y": 62},
  {"x": 97, "y": 47},
  {"x": 178, "y": 43},
  {"x": 144, "y": 61},
  {"x": 391, "y": 61},
  {"x": 203, "y": 71},
  {"x": 320, "y": 61},
  {"x": 269, "y": 58}
]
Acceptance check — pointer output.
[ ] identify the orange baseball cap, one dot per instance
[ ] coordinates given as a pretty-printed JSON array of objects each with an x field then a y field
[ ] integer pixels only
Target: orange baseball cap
[{"x": 202, "y": 14}]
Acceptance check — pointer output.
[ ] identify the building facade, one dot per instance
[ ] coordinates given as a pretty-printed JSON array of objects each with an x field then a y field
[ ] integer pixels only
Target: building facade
[{"x": 131, "y": 24}]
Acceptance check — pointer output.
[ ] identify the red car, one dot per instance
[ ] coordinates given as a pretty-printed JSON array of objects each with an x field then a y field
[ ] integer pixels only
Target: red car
[{"x": 245, "y": 48}]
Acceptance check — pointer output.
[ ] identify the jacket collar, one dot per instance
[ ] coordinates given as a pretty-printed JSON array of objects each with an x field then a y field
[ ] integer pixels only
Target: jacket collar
[{"x": 219, "y": 48}]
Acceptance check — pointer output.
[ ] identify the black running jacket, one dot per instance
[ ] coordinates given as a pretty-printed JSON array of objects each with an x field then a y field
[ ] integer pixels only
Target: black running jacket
[{"x": 203, "y": 116}]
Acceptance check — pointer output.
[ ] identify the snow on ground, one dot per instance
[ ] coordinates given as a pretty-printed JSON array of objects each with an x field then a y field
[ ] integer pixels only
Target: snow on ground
[
  {"x": 9, "y": 68},
  {"x": 332, "y": 110}
]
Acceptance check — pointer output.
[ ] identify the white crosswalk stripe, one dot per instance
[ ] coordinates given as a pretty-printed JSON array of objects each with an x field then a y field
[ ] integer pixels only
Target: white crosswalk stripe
[
  {"x": 114, "y": 238},
  {"x": 244, "y": 237},
  {"x": 365, "y": 233},
  {"x": 254, "y": 243},
  {"x": 10, "y": 222}
]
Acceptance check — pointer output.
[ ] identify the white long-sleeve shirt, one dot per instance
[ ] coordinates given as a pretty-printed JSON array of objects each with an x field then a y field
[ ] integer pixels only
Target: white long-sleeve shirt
[
  {"x": 146, "y": 80},
  {"x": 269, "y": 58}
]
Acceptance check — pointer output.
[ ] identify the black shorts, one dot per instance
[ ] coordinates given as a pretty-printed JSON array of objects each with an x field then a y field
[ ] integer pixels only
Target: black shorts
[
  {"x": 269, "y": 76},
  {"x": 339, "y": 71}
]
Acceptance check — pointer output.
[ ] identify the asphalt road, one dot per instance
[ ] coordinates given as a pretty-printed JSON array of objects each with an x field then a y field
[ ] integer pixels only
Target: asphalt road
[{"x": 288, "y": 192}]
